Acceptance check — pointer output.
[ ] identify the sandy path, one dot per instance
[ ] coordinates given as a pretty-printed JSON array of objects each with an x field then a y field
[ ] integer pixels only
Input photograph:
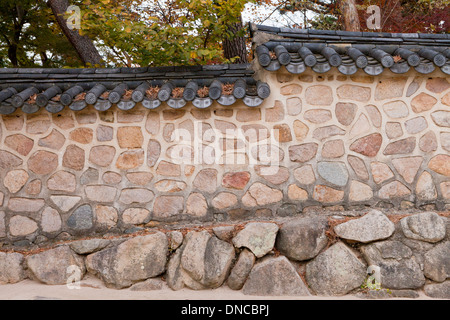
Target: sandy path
[{"x": 93, "y": 289}]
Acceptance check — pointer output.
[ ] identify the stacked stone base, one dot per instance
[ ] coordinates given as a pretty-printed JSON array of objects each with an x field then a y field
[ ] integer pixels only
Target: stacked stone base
[{"x": 373, "y": 255}]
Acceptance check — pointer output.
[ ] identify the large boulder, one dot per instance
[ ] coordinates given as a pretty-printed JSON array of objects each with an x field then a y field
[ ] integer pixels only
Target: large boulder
[
  {"x": 371, "y": 227},
  {"x": 398, "y": 267},
  {"x": 274, "y": 276},
  {"x": 438, "y": 290},
  {"x": 241, "y": 270},
  {"x": 426, "y": 226},
  {"x": 133, "y": 260},
  {"x": 201, "y": 262},
  {"x": 259, "y": 237},
  {"x": 437, "y": 262},
  {"x": 56, "y": 266},
  {"x": 11, "y": 267},
  {"x": 335, "y": 271},
  {"x": 302, "y": 239}
]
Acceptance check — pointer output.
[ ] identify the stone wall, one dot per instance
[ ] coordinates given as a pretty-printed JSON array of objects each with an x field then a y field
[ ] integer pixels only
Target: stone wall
[
  {"x": 319, "y": 141},
  {"x": 371, "y": 255}
]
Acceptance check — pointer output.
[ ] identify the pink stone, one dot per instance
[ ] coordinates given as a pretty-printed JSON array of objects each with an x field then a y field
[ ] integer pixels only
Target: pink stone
[
  {"x": 130, "y": 159},
  {"x": 440, "y": 164},
  {"x": 358, "y": 166},
  {"x": 248, "y": 114},
  {"x": 82, "y": 135},
  {"x": 139, "y": 178},
  {"x": 173, "y": 114},
  {"x": 345, "y": 112},
  {"x": 380, "y": 172},
  {"x": 130, "y": 137},
  {"x": 43, "y": 162},
  {"x": 374, "y": 115},
  {"x": 196, "y": 205},
  {"x": 50, "y": 220},
  {"x": 19, "y": 143},
  {"x": 319, "y": 95},
  {"x": 153, "y": 152},
  {"x": 352, "y": 92},
  {"x": 323, "y": 133},
  {"x": 111, "y": 177},
  {"x": 390, "y": 88},
  {"x": 394, "y": 130},
  {"x": 273, "y": 174},
  {"x": 300, "y": 130},
  {"x": 403, "y": 146},
  {"x": 168, "y": 185},
  {"x": 22, "y": 226},
  {"x": 34, "y": 187},
  {"x": 168, "y": 169},
  {"x": 428, "y": 142},
  {"x": 291, "y": 89},
  {"x": 296, "y": 193},
  {"x": 294, "y": 106},
  {"x": 236, "y": 180},
  {"x": 303, "y": 152},
  {"x": 135, "y": 215},
  {"x": 64, "y": 120},
  {"x": 37, "y": 123},
  {"x": 25, "y": 204},
  {"x": 8, "y": 160},
  {"x": 394, "y": 189},
  {"x": 224, "y": 200},
  {"x": 408, "y": 167},
  {"x": 206, "y": 180},
  {"x": 305, "y": 174},
  {"x": 13, "y": 122},
  {"x": 102, "y": 155},
  {"x": 55, "y": 140},
  {"x": 360, "y": 127},
  {"x": 106, "y": 215},
  {"x": 327, "y": 194},
  {"x": 276, "y": 113},
  {"x": 368, "y": 145},
  {"x": 282, "y": 132},
  {"x": 423, "y": 102},
  {"x": 168, "y": 206},
  {"x": 74, "y": 157},
  {"x": 136, "y": 195},
  {"x": 317, "y": 115},
  {"x": 445, "y": 189},
  {"x": 333, "y": 149},
  {"x": 425, "y": 188},
  {"x": 100, "y": 193},
  {"x": 152, "y": 124},
  {"x": 437, "y": 85},
  {"x": 62, "y": 181},
  {"x": 360, "y": 191},
  {"x": 261, "y": 194},
  {"x": 15, "y": 180}
]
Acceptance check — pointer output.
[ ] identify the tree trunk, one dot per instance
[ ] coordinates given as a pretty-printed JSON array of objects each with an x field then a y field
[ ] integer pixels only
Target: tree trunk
[
  {"x": 235, "y": 46},
  {"x": 350, "y": 15},
  {"x": 83, "y": 45}
]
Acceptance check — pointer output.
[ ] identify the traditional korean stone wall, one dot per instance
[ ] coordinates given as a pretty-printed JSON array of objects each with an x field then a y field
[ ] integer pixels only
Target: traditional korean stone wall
[{"x": 319, "y": 141}]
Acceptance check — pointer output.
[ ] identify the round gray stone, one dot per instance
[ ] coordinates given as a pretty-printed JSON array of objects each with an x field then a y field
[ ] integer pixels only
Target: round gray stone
[
  {"x": 81, "y": 218},
  {"x": 333, "y": 172}
]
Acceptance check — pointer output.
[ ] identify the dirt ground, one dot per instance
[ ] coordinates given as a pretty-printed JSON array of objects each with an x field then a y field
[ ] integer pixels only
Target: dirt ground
[{"x": 91, "y": 288}]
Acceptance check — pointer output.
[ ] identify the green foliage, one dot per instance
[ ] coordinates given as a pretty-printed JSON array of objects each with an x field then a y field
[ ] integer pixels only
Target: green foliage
[
  {"x": 30, "y": 36},
  {"x": 179, "y": 33}
]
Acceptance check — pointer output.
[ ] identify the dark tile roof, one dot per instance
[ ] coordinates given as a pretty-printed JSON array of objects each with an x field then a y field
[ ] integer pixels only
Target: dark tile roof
[
  {"x": 55, "y": 89},
  {"x": 372, "y": 52}
]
